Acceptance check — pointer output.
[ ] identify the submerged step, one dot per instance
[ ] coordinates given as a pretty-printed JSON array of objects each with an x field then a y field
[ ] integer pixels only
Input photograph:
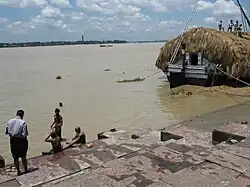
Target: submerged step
[
  {"x": 165, "y": 136},
  {"x": 222, "y": 136},
  {"x": 101, "y": 136}
]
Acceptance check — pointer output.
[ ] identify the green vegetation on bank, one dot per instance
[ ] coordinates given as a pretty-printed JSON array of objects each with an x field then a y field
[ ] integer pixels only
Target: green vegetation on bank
[{"x": 138, "y": 79}]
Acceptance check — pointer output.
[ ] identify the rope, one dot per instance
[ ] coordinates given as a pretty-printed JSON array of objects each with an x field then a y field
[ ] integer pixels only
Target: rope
[
  {"x": 179, "y": 41},
  {"x": 233, "y": 77},
  {"x": 185, "y": 28},
  {"x": 243, "y": 22},
  {"x": 152, "y": 74},
  {"x": 213, "y": 79}
]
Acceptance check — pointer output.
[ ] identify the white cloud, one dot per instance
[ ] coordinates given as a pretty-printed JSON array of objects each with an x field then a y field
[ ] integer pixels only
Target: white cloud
[
  {"x": 51, "y": 12},
  {"x": 111, "y": 19},
  {"x": 14, "y": 3},
  {"x": 220, "y": 7},
  {"x": 171, "y": 22},
  {"x": 161, "y": 5},
  {"x": 3, "y": 23},
  {"x": 78, "y": 16},
  {"x": 60, "y": 3},
  {"x": 223, "y": 7},
  {"x": 137, "y": 17},
  {"x": 3, "y": 20},
  {"x": 203, "y": 5},
  {"x": 157, "y": 6},
  {"x": 33, "y": 3},
  {"x": 50, "y": 18},
  {"x": 210, "y": 20},
  {"x": 24, "y": 3},
  {"x": 110, "y": 7},
  {"x": 223, "y": 10}
]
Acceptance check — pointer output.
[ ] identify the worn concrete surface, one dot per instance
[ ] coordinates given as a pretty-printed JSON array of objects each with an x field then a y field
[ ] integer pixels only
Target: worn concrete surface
[{"x": 119, "y": 160}]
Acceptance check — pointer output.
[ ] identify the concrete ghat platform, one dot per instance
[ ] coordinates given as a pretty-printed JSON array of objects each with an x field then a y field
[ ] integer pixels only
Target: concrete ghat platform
[{"x": 180, "y": 156}]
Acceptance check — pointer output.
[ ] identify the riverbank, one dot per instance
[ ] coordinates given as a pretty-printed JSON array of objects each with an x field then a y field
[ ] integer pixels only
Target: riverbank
[
  {"x": 59, "y": 43},
  {"x": 149, "y": 157}
]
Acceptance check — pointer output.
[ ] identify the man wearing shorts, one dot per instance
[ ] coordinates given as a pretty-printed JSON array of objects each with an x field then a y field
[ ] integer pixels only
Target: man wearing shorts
[
  {"x": 57, "y": 124},
  {"x": 18, "y": 131}
]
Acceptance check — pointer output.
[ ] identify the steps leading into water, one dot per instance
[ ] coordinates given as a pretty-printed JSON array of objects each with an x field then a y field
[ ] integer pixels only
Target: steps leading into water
[{"x": 179, "y": 156}]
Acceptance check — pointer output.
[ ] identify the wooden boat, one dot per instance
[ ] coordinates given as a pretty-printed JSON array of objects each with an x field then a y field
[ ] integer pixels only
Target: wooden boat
[{"x": 193, "y": 69}]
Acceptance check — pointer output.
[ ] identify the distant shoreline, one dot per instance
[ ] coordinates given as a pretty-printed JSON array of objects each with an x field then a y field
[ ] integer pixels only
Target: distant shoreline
[{"x": 60, "y": 43}]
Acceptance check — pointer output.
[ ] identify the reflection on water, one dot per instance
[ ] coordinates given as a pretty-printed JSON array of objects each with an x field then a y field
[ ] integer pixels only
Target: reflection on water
[{"x": 91, "y": 96}]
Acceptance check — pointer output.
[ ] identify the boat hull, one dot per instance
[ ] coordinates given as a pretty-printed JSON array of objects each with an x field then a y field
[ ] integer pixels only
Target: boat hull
[
  {"x": 179, "y": 80},
  {"x": 193, "y": 75}
]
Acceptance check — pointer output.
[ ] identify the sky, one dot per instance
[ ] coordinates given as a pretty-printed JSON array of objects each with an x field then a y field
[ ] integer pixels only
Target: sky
[{"x": 47, "y": 20}]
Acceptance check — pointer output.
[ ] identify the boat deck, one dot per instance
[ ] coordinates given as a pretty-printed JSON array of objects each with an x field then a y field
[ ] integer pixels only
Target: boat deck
[{"x": 180, "y": 156}]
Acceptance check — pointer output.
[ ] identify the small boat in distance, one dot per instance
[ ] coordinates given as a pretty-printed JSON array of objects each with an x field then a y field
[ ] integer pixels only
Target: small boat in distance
[{"x": 106, "y": 45}]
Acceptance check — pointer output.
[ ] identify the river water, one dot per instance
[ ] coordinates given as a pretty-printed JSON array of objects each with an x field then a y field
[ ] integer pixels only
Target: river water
[{"x": 91, "y": 96}]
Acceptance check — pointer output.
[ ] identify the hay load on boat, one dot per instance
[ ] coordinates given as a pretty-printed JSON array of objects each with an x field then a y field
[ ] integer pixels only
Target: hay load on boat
[{"x": 206, "y": 49}]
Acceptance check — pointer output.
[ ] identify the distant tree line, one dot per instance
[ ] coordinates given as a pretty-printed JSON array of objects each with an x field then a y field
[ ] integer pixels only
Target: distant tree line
[
  {"x": 53, "y": 43},
  {"x": 153, "y": 41}
]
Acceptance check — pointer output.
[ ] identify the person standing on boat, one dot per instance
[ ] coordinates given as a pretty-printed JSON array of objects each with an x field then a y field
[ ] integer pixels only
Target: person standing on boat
[
  {"x": 239, "y": 30},
  {"x": 230, "y": 26},
  {"x": 57, "y": 124},
  {"x": 236, "y": 26},
  {"x": 220, "y": 26},
  {"x": 18, "y": 132}
]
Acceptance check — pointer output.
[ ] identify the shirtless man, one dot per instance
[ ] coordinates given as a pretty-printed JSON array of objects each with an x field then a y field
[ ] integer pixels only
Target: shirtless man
[
  {"x": 55, "y": 142},
  {"x": 57, "y": 124},
  {"x": 80, "y": 138}
]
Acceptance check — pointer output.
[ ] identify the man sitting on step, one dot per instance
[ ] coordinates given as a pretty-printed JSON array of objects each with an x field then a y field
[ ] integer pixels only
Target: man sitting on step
[
  {"x": 55, "y": 141},
  {"x": 79, "y": 139}
]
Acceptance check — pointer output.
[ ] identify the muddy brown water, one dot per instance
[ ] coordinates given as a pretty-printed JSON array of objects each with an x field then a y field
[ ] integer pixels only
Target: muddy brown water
[{"x": 91, "y": 96}]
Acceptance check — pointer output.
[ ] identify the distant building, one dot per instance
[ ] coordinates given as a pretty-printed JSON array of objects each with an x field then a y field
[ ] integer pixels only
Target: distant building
[{"x": 82, "y": 38}]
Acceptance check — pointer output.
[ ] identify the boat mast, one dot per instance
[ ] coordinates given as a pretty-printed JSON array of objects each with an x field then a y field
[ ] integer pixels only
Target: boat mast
[{"x": 243, "y": 15}]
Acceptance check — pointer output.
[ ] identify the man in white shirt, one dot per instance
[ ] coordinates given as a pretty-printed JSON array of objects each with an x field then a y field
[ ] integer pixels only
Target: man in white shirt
[
  {"x": 230, "y": 26},
  {"x": 18, "y": 131},
  {"x": 220, "y": 26}
]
